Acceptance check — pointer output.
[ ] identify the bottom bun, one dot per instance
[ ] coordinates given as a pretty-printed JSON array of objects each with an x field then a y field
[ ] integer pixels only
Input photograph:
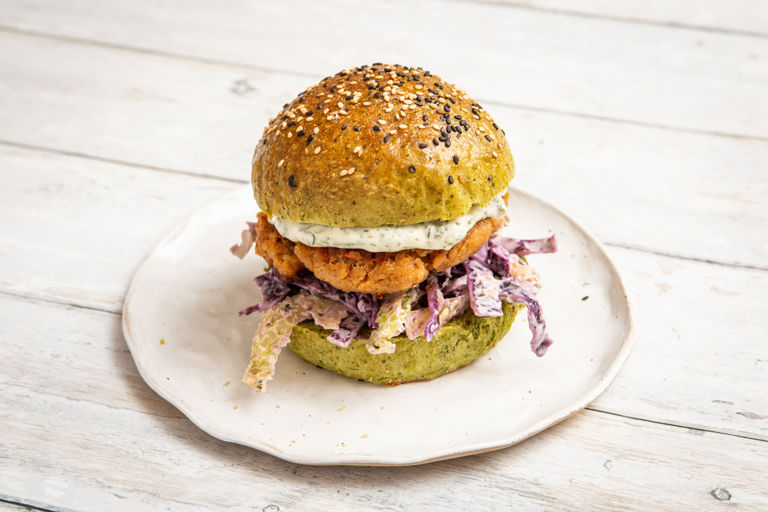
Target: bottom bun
[{"x": 456, "y": 344}]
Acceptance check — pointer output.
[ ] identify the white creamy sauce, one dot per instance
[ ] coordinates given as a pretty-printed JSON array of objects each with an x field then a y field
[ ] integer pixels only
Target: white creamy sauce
[{"x": 433, "y": 235}]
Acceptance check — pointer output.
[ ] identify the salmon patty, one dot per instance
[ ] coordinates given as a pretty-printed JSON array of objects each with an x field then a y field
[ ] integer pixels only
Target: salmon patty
[{"x": 356, "y": 270}]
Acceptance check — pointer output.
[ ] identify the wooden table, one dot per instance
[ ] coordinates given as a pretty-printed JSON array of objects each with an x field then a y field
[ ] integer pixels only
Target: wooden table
[{"x": 646, "y": 121}]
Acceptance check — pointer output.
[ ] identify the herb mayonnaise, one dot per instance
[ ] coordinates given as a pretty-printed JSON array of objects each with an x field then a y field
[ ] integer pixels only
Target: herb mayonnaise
[{"x": 433, "y": 235}]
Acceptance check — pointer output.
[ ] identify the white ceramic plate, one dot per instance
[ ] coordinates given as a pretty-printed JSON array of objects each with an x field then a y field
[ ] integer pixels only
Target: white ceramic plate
[{"x": 180, "y": 321}]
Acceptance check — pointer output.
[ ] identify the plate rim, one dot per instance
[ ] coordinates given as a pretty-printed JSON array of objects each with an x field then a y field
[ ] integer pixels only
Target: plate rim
[{"x": 552, "y": 419}]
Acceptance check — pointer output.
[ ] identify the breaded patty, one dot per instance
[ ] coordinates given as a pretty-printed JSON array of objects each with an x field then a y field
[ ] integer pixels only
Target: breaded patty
[{"x": 356, "y": 270}]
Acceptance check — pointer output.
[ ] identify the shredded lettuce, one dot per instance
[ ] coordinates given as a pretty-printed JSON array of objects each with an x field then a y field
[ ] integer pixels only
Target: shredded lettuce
[
  {"x": 274, "y": 333},
  {"x": 391, "y": 321}
]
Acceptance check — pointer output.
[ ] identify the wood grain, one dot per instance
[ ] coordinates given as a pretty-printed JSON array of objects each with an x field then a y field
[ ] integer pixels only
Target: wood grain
[
  {"x": 85, "y": 433},
  {"x": 748, "y": 17},
  {"x": 698, "y": 196},
  {"x": 644, "y": 73},
  {"x": 647, "y": 121},
  {"x": 685, "y": 311}
]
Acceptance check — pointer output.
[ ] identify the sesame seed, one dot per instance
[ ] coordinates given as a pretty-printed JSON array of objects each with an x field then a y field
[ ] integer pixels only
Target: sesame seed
[
  {"x": 495, "y": 126},
  {"x": 310, "y": 138},
  {"x": 488, "y": 138},
  {"x": 495, "y": 154},
  {"x": 435, "y": 142},
  {"x": 422, "y": 145},
  {"x": 310, "y": 118},
  {"x": 343, "y": 172},
  {"x": 392, "y": 132},
  {"x": 411, "y": 169},
  {"x": 382, "y": 122},
  {"x": 376, "y": 128},
  {"x": 450, "y": 179},
  {"x": 301, "y": 133},
  {"x": 317, "y": 149},
  {"x": 455, "y": 159},
  {"x": 387, "y": 138},
  {"x": 344, "y": 126},
  {"x": 281, "y": 162},
  {"x": 351, "y": 170},
  {"x": 291, "y": 182},
  {"x": 358, "y": 149},
  {"x": 356, "y": 128},
  {"x": 316, "y": 130}
]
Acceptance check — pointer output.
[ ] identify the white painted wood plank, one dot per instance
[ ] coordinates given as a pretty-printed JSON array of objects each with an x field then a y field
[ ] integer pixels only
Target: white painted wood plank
[
  {"x": 13, "y": 507},
  {"x": 74, "y": 230},
  {"x": 83, "y": 432},
  {"x": 692, "y": 80},
  {"x": 741, "y": 16},
  {"x": 680, "y": 193},
  {"x": 91, "y": 225}
]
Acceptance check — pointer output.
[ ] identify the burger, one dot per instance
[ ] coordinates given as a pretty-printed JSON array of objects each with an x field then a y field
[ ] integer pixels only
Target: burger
[{"x": 382, "y": 190}]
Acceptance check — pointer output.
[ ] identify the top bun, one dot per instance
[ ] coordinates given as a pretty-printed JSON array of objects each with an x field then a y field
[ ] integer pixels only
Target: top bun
[{"x": 380, "y": 144}]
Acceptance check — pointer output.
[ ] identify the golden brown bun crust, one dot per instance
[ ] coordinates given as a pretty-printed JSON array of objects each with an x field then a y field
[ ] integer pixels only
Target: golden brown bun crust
[{"x": 418, "y": 149}]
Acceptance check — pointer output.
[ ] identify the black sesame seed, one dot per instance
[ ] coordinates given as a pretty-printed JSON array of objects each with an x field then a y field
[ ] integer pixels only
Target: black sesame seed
[
  {"x": 447, "y": 107},
  {"x": 290, "y": 123},
  {"x": 356, "y": 128},
  {"x": 376, "y": 128},
  {"x": 490, "y": 178},
  {"x": 451, "y": 100},
  {"x": 344, "y": 126},
  {"x": 309, "y": 113},
  {"x": 291, "y": 182},
  {"x": 487, "y": 138},
  {"x": 474, "y": 111},
  {"x": 411, "y": 169},
  {"x": 448, "y": 143},
  {"x": 387, "y": 138},
  {"x": 424, "y": 117},
  {"x": 495, "y": 126},
  {"x": 450, "y": 179},
  {"x": 435, "y": 142},
  {"x": 310, "y": 138},
  {"x": 301, "y": 133},
  {"x": 422, "y": 145},
  {"x": 349, "y": 97},
  {"x": 455, "y": 159}
]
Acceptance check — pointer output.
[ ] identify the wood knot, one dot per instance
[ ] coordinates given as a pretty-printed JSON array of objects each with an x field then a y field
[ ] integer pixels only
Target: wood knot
[{"x": 720, "y": 494}]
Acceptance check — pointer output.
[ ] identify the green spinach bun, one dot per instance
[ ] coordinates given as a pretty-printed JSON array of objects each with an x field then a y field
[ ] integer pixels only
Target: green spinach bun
[{"x": 413, "y": 141}]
